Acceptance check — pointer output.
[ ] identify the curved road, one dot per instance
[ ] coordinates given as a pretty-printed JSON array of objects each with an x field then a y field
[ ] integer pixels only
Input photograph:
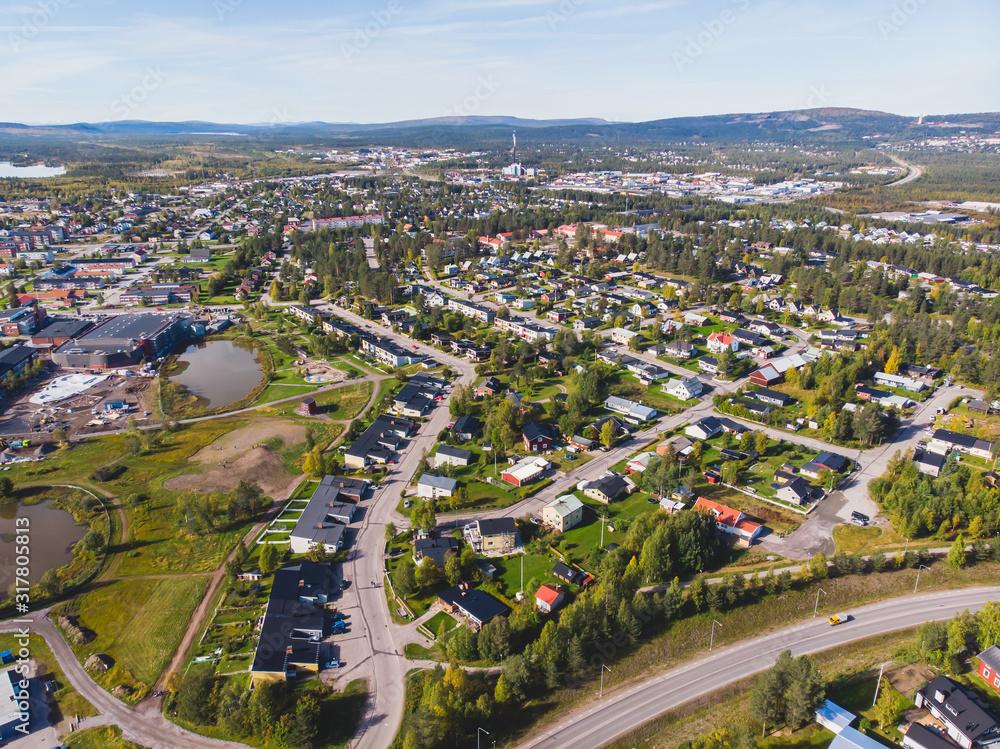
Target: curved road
[
  {"x": 916, "y": 172},
  {"x": 626, "y": 710}
]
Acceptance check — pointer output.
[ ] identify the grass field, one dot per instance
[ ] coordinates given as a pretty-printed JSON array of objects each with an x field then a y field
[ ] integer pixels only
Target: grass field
[
  {"x": 69, "y": 701},
  {"x": 853, "y": 539},
  {"x": 434, "y": 623},
  {"x": 138, "y": 623},
  {"x": 105, "y": 737},
  {"x": 342, "y": 404}
]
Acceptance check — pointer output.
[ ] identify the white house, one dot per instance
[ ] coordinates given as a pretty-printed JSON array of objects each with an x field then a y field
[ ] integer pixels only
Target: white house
[
  {"x": 431, "y": 486},
  {"x": 684, "y": 388}
]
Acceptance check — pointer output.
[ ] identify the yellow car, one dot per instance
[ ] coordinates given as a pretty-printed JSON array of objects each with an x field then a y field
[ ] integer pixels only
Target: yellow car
[{"x": 836, "y": 619}]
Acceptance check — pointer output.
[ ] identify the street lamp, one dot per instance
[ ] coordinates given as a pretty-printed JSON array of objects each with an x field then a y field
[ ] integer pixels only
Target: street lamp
[
  {"x": 816, "y": 607},
  {"x": 711, "y": 641},
  {"x": 479, "y": 733},
  {"x": 603, "y": 669},
  {"x": 921, "y": 567}
]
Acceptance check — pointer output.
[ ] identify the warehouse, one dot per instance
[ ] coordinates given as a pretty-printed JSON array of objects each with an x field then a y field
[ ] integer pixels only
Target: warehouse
[{"x": 122, "y": 341}]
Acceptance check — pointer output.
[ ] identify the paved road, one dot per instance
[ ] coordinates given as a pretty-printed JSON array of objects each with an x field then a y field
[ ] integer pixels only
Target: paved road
[
  {"x": 630, "y": 706},
  {"x": 377, "y": 655},
  {"x": 915, "y": 173},
  {"x": 143, "y": 726}
]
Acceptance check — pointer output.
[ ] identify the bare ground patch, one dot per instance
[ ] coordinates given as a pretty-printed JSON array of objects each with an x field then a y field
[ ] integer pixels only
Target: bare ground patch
[{"x": 243, "y": 454}]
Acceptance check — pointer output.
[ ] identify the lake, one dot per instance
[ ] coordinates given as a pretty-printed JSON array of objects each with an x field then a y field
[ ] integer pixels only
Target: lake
[
  {"x": 53, "y": 533},
  {"x": 218, "y": 372},
  {"x": 30, "y": 172}
]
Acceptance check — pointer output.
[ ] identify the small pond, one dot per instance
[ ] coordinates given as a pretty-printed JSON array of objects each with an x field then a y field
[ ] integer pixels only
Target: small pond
[
  {"x": 52, "y": 532},
  {"x": 218, "y": 372}
]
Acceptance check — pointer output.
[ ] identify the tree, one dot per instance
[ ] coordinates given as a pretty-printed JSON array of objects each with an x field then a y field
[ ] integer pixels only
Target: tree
[
  {"x": 6, "y": 487},
  {"x": 404, "y": 579},
  {"x": 49, "y": 584},
  {"x": 760, "y": 441},
  {"x": 453, "y": 568},
  {"x": 609, "y": 433},
  {"x": 889, "y": 706},
  {"x": 731, "y": 472},
  {"x": 93, "y": 541},
  {"x": 268, "y": 559},
  {"x": 956, "y": 554},
  {"x": 390, "y": 532},
  {"x": 314, "y": 463},
  {"x": 894, "y": 361},
  {"x": 818, "y": 567},
  {"x": 193, "y": 704},
  {"x": 427, "y": 572},
  {"x": 305, "y": 723},
  {"x": 59, "y": 435}
]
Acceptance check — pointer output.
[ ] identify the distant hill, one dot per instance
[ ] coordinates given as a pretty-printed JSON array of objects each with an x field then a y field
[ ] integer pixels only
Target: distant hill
[{"x": 833, "y": 127}]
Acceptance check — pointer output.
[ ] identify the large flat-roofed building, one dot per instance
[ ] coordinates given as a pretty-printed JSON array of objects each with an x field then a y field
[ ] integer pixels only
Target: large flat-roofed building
[
  {"x": 160, "y": 293},
  {"x": 123, "y": 340},
  {"x": 323, "y": 521},
  {"x": 59, "y": 330},
  {"x": 291, "y": 632},
  {"x": 16, "y": 359},
  {"x": 10, "y": 715}
]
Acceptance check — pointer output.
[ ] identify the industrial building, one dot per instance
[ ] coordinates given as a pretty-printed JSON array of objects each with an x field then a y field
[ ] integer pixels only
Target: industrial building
[{"x": 122, "y": 341}]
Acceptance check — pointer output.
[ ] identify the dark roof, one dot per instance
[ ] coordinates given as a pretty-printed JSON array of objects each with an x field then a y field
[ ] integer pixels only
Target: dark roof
[
  {"x": 454, "y": 452},
  {"x": 533, "y": 430},
  {"x": 960, "y": 707},
  {"x": 709, "y": 424},
  {"x": 964, "y": 440},
  {"x": 921, "y": 736},
  {"x": 565, "y": 572},
  {"x": 610, "y": 486},
  {"x": 497, "y": 526},
  {"x": 476, "y": 603},
  {"x": 14, "y": 356},
  {"x": 830, "y": 460},
  {"x": 492, "y": 383},
  {"x": 288, "y": 625},
  {"x": 64, "y": 327},
  {"x": 466, "y": 425},
  {"x": 435, "y": 548},
  {"x": 371, "y": 437},
  {"x": 777, "y": 395}
]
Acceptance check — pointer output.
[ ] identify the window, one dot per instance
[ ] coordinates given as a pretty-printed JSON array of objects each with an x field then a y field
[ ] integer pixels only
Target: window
[
  {"x": 986, "y": 672},
  {"x": 996, "y": 682}
]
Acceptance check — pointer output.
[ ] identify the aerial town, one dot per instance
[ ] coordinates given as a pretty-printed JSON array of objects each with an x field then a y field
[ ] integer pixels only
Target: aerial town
[{"x": 640, "y": 422}]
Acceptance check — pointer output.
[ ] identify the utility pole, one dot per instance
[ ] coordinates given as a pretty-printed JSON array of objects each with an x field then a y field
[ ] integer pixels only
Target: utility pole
[
  {"x": 816, "y": 607},
  {"x": 921, "y": 567},
  {"x": 603, "y": 669},
  {"x": 711, "y": 642},
  {"x": 479, "y": 733},
  {"x": 878, "y": 684}
]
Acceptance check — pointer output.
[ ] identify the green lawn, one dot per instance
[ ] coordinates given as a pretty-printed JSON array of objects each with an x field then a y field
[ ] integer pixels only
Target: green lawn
[
  {"x": 342, "y": 403},
  {"x": 442, "y": 617},
  {"x": 140, "y": 635},
  {"x": 104, "y": 737},
  {"x": 583, "y": 538}
]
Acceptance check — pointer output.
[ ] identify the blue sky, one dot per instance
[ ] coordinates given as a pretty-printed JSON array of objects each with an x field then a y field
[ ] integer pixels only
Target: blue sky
[{"x": 358, "y": 61}]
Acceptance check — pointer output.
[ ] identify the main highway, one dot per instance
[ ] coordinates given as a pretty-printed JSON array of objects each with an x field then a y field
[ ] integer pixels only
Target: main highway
[{"x": 599, "y": 721}]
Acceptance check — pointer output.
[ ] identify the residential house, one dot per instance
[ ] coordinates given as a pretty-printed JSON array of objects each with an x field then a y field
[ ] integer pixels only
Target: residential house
[
  {"x": 493, "y": 536},
  {"x": 570, "y": 575},
  {"x": 465, "y": 428},
  {"x": 632, "y": 410},
  {"x": 967, "y": 718},
  {"x": 432, "y": 486},
  {"x": 795, "y": 492},
  {"x": 719, "y": 342},
  {"x": 825, "y": 461},
  {"x": 548, "y": 598},
  {"x": 944, "y": 441},
  {"x": 730, "y": 521},
  {"x": 607, "y": 488},
  {"x": 431, "y": 546},
  {"x": 537, "y": 437},
  {"x": 475, "y": 605},
  {"x": 704, "y": 429},
  {"x": 898, "y": 381},
  {"x": 586, "y": 323},
  {"x": 452, "y": 456},
  {"x": 562, "y": 513},
  {"x": 709, "y": 364},
  {"x": 989, "y": 666},
  {"x": 623, "y": 336},
  {"x": 581, "y": 443},
  {"x": 684, "y": 388},
  {"x": 491, "y": 386},
  {"x": 525, "y": 471},
  {"x": 766, "y": 376},
  {"x": 680, "y": 350},
  {"x": 772, "y": 397},
  {"x": 929, "y": 462}
]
